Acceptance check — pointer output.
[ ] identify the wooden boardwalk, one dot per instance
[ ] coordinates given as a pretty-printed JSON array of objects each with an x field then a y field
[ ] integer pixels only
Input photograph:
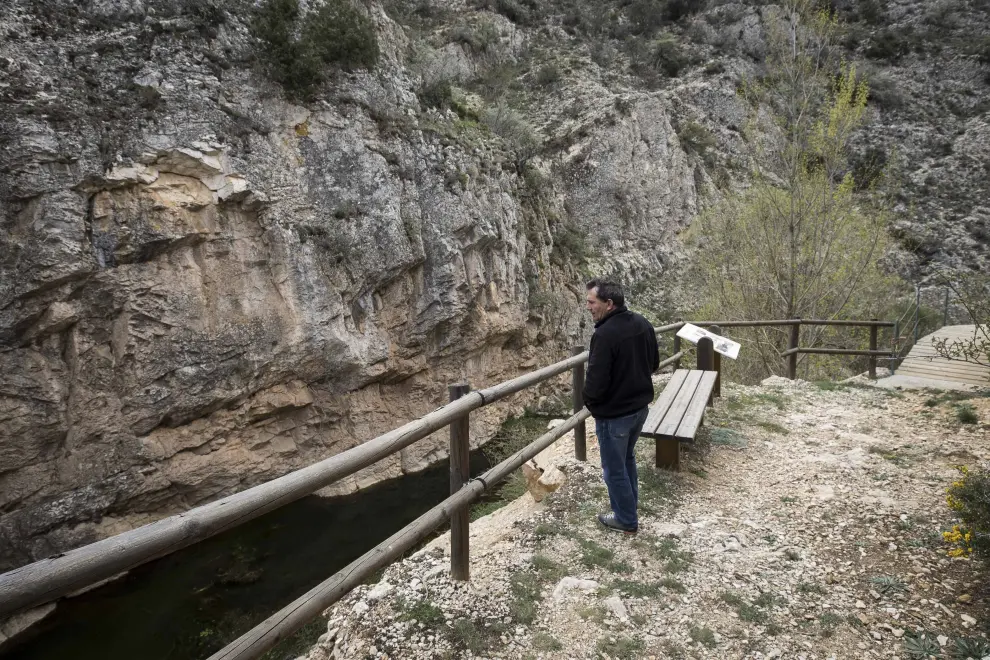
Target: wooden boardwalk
[{"x": 922, "y": 362}]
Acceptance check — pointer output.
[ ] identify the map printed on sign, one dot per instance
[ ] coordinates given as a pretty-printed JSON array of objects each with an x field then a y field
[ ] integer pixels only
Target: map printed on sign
[{"x": 726, "y": 347}]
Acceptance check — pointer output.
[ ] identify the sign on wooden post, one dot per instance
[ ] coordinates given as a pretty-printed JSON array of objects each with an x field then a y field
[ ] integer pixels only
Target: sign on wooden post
[
  {"x": 717, "y": 390},
  {"x": 723, "y": 345}
]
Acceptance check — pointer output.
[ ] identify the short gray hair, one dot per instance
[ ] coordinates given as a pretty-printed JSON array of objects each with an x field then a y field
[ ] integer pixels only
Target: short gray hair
[{"x": 607, "y": 290}]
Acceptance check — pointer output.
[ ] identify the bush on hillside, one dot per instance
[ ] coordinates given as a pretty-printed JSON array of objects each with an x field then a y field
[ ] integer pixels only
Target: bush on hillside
[
  {"x": 645, "y": 16},
  {"x": 890, "y": 44},
  {"x": 695, "y": 138},
  {"x": 669, "y": 56},
  {"x": 297, "y": 54},
  {"x": 969, "y": 497},
  {"x": 514, "y": 130}
]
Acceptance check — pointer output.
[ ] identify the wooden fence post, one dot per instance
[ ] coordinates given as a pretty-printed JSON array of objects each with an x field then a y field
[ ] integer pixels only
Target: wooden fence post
[
  {"x": 792, "y": 344},
  {"x": 577, "y": 386},
  {"x": 895, "y": 348},
  {"x": 460, "y": 473},
  {"x": 706, "y": 357},
  {"x": 873, "y": 347},
  {"x": 717, "y": 357},
  {"x": 677, "y": 349}
]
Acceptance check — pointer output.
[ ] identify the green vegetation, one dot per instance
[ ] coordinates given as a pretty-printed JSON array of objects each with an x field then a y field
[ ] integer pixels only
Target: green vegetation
[
  {"x": 638, "y": 589},
  {"x": 755, "y": 612},
  {"x": 594, "y": 613},
  {"x": 887, "y": 584},
  {"x": 828, "y": 622},
  {"x": 966, "y": 413},
  {"x": 810, "y": 588},
  {"x": 703, "y": 635},
  {"x": 297, "y": 49},
  {"x": 421, "y": 611},
  {"x": 546, "y": 642},
  {"x": 921, "y": 645},
  {"x": 773, "y": 427},
  {"x": 595, "y": 555},
  {"x": 621, "y": 648},
  {"x": 514, "y": 434},
  {"x": 526, "y": 587},
  {"x": 813, "y": 239},
  {"x": 472, "y": 636}
]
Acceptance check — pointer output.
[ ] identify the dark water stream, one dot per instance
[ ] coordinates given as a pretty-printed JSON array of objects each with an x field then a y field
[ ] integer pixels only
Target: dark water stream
[{"x": 189, "y": 604}]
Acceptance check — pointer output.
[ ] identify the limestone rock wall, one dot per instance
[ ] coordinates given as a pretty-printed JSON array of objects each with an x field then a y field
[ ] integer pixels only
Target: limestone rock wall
[{"x": 203, "y": 286}]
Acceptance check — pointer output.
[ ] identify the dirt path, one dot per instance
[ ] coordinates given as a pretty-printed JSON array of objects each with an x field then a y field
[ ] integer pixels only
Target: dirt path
[{"x": 805, "y": 524}]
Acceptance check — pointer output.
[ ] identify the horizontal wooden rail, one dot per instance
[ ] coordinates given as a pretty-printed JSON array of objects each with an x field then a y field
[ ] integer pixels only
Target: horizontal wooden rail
[
  {"x": 755, "y": 324},
  {"x": 307, "y": 607},
  {"x": 672, "y": 326},
  {"x": 672, "y": 359},
  {"x": 835, "y": 351},
  {"x": 49, "y": 579}
]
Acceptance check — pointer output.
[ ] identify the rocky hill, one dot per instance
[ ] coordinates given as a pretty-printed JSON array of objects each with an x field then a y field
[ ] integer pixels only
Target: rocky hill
[{"x": 216, "y": 266}]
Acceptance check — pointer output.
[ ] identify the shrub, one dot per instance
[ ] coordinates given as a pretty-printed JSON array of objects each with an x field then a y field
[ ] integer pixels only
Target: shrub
[
  {"x": 481, "y": 38},
  {"x": 421, "y": 611},
  {"x": 297, "y": 55},
  {"x": 695, "y": 138},
  {"x": 517, "y": 133},
  {"x": 969, "y": 498},
  {"x": 669, "y": 56},
  {"x": 620, "y": 648},
  {"x": 871, "y": 11},
  {"x": 866, "y": 168},
  {"x": 890, "y": 44},
  {"x": 570, "y": 246},
  {"x": 339, "y": 34},
  {"x": 436, "y": 94},
  {"x": 980, "y": 48},
  {"x": 675, "y": 10},
  {"x": 944, "y": 15},
  {"x": 966, "y": 413},
  {"x": 645, "y": 16},
  {"x": 548, "y": 75},
  {"x": 520, "y": 12}
]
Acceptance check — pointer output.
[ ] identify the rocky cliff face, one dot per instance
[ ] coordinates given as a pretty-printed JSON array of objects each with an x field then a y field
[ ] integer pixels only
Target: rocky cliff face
[{"x": 204, "y": 285}]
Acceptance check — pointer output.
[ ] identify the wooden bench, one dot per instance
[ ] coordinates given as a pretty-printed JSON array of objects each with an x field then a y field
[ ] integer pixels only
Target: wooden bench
[{"x": 677, "y": 414}]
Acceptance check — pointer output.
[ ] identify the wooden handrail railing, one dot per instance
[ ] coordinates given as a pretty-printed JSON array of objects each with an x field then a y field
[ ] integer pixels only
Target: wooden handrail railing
[
  {"x": 55, "y": 577},
  {"x": 283, "y": 623},
  {"x": 48, "y": 579}
]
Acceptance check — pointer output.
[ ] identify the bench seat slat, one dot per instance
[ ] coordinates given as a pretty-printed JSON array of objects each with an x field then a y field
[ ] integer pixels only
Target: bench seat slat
[
  {"x": 677, "y": 409},
  {"x": 696, "y": 409},
  {"x": 660, "y": 408}
]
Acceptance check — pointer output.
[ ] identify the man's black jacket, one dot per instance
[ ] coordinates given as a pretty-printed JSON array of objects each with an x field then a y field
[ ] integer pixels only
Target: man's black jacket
[{"x": 623, "y": 355}]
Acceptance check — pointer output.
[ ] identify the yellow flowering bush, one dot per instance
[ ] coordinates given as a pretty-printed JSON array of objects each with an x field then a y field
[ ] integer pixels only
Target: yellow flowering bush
[{"x": 969, "y": 498}]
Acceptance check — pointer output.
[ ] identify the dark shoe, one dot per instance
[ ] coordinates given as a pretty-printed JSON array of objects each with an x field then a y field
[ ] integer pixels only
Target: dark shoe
[{"x": 608, "y": 519}]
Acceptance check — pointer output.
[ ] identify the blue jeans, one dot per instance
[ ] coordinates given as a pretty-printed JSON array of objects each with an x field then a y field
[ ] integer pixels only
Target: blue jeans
[{"x": 617, "y": 444}]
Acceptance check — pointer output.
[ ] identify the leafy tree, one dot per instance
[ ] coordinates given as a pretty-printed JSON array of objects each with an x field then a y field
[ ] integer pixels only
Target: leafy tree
[{"x": 800, "y": 241}]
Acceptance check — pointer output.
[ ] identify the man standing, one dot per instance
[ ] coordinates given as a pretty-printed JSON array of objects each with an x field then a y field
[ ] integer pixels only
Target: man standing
[{"x": 618, "y": 390}]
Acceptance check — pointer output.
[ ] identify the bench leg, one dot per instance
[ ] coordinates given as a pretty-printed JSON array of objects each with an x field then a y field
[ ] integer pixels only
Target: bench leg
[{"x": 668, "y": 453}]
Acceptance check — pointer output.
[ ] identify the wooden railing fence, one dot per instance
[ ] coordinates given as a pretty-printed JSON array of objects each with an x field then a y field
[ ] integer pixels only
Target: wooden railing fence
[{"x": 55, "y": 577}]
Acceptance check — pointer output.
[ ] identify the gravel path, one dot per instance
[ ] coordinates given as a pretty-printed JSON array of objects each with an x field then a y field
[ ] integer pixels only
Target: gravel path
[{"x": 805, "y": 523}]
